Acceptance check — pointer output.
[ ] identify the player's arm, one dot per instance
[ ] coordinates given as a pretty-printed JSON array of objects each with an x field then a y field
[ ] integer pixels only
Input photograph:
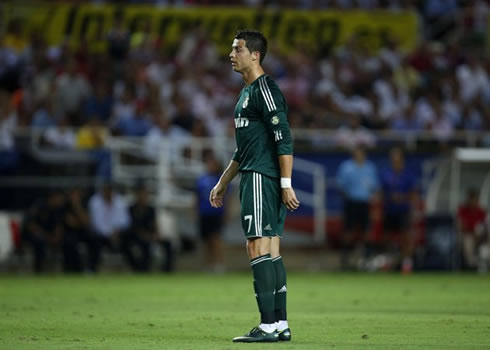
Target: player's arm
[
  {"x": 288, "y": 195},
  {"x": 218, "y": 192},
  {"x": 274, "y": 112}
]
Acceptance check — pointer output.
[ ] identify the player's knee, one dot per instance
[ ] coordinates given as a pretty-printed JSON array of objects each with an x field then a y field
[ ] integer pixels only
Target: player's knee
[
  {"x": 275, "y": 251},
  {"x": 258, "y": 247}
]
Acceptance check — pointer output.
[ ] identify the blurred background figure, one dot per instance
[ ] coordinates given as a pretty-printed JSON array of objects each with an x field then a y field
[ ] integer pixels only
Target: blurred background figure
[
  {"x": 42, "y": 228},
  {"x": 8, "y": 122},
  {"x": 397, "y": 191},
  {"x": 91, "y": 138},
  {"x": 119, "y": 98},
  {"x": 142, "y": 236},
  {"x": 354, "y": 135},
  {"x": 357, "y": 179},
  {"x": 118, "y": 40},
  {"x": 60, "y": 136},
  {"x": 471, "y": 226},
  {"x": 80, "y": 244},
  {"x": 211, "y": 219},
  {"x": 109, "y": 219},
  {"x": 72, "y": 89}
]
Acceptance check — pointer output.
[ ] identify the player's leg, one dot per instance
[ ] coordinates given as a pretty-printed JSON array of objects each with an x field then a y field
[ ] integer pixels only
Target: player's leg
[
  {"x": 280, "y": 302},
  {"x": 281, "y": 281},
  {"x": 258, "y": 249}
]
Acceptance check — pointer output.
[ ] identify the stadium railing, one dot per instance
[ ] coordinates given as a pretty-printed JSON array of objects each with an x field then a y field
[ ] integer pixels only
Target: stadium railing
[{"x": 171, "y": 176}]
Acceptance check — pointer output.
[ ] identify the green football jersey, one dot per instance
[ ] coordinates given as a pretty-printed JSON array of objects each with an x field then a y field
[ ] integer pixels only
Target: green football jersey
[{"x": 261, "y": 127}]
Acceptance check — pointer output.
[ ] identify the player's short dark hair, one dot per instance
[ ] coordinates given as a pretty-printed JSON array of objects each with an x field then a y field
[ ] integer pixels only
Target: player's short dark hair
[{"x": 254, "y": 41}]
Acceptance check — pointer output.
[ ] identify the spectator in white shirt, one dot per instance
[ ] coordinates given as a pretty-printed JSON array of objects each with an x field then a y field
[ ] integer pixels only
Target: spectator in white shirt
[
  {"x": 109, "y": 218},
  {"x": 164, "y": 130},
  {"x": 473, "y": 80},
  {"x": 72, "y": 88},
  {"x": 354, "y": 135},
  {"x": 60, "y": 136}
]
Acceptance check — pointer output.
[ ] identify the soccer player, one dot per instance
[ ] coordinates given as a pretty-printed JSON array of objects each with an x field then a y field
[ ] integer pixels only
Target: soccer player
[{"x": 264, "y": 157}]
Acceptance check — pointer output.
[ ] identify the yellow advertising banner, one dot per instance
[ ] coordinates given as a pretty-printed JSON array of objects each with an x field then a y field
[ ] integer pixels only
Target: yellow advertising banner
[{"x": 90, "y": 23}]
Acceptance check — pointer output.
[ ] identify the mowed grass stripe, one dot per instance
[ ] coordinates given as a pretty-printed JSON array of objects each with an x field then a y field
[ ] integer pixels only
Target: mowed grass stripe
[{"x": 192, "y": 311}]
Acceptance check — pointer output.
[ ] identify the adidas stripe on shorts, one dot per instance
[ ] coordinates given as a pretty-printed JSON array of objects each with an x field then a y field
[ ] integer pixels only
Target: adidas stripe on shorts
[{"x": 262, "y": 212}]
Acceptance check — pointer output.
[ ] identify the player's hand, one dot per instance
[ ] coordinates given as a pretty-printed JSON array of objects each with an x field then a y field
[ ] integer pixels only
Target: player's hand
[
  {"x": 289, "y": 199},
  {"x": 216, "y": 195}
]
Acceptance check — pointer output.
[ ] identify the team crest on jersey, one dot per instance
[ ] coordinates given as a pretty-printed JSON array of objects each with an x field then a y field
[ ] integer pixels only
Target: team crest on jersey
[
  {"x": 275, "y": 120},
  {"x": 245, "y": 103}
]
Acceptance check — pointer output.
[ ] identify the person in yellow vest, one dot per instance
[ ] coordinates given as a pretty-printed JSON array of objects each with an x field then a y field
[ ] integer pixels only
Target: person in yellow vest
[
  {"x": 91, "y": 137},
  {"x": 13, "y": 38}
]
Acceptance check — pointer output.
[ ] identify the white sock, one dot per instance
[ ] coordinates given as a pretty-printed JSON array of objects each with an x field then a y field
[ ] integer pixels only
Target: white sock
[
  {"x": 282, "y": 325},
  {"x": 268, "y": 327}
]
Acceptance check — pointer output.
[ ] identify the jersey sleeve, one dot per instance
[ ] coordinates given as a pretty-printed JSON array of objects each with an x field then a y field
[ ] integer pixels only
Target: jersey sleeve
[
  {"x": 236, "y": 156},
  {"x": 272, "y": 106}
]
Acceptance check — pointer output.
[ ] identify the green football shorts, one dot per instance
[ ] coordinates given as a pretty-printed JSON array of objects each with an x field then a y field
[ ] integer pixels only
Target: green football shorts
[{"x": 262, "y": 212}]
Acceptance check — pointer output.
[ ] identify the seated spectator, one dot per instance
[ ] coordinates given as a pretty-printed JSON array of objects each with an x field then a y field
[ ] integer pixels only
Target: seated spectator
[
  {"x": 72, "y": 88},
  {"x": 60, "y": 136},
  {"x": 143, "y": 234},
  {"x": 124, "y": 106},
  {"x": 136, "y": 125},
  {"x": 350, "y": 102},
  {"x": 91, "y": 138},
  {"x": 42, "y": 227},
  {"x": 44, "y": 117},
  {"x": 471, "y": 217},
  {"x": 406, "y": 121},
  {"x": 99, "y": 104},
  {"x": 109, "y": 218},
  {"x": 473, "y": 80},
  {"x": 354, "y": 135},
  {"x": 163, "y": 129},
  {"x": 92, "y": 135},
  {"x": 471, "y": 119},
  {"x": 76, "y": 232},
  {"x": 440, "y": 126},
  {"x": 183, "y": 117}
]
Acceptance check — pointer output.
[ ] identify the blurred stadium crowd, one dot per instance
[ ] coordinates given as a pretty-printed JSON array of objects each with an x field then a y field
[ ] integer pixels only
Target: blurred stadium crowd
[{"x": 140, "y": 86}]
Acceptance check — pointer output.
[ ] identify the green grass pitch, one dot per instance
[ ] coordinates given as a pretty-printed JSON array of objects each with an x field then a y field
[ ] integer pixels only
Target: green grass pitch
[{"x": 197, "y": 311}]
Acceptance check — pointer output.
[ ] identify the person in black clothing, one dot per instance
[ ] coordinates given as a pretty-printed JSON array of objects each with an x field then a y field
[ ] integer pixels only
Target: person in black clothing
[
  {"x": 42, "y": 227},
  {"x": 76, "y": 231},
  {"x": 118, "y": 39},
  {"x": 142, "y": 234}
]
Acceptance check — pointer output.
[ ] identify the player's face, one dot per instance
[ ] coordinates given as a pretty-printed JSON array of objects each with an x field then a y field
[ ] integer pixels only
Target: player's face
[{"x": 240, "y": 57}]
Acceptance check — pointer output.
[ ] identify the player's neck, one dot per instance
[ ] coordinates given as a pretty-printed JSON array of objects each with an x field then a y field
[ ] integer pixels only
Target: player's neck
[{"x": 252, "y": 74}]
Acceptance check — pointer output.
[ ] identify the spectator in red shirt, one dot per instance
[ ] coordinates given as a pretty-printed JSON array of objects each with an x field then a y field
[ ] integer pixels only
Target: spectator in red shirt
[{"x": 471, "y": 216}]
